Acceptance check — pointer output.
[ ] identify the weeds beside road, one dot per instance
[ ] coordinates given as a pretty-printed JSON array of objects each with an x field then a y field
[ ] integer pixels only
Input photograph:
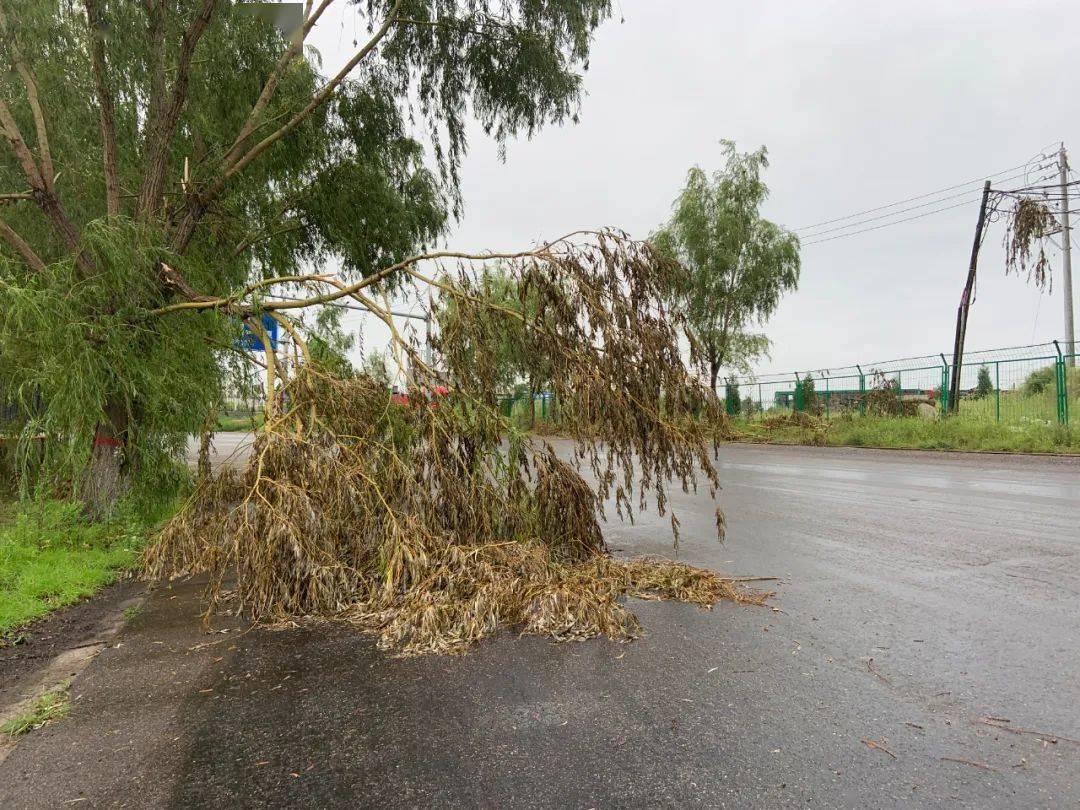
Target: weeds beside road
[
  {"x": 908, "y": 433},
  {"x": 50, "y": 557}
]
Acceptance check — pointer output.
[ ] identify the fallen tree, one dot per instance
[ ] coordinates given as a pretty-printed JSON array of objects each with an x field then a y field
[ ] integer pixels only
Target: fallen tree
[
  {"x": 169, "y": 169},
  {"x": 435, "y": 524}
]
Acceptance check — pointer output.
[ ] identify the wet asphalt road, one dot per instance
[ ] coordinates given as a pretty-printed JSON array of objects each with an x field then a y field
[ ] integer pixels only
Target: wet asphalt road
[{"x": 958, "y": 575}]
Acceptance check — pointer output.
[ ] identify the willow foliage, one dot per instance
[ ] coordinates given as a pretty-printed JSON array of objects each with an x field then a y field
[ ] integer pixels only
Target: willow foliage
[{"x": 181, "y": 149}]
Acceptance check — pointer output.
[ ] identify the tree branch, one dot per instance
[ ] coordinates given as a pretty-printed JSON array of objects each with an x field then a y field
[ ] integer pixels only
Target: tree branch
[
  {"x": 198, "y": 205},
  {"x": 110, "y": 151},
  {"x": 272, "y": 82},
  {"x": 21, "y": 247},
  {"x": 18, "y": 146},
  {"x": 231, "y": 302},
  {"x": 155, "y": 10},
  {"x": 262, "y": 236},
  {"x": 320, "y": 98},
  {"x": 27, "y": 76},
  {"x": 45, "y": 198},
  {"x": 162, "y": 133}
]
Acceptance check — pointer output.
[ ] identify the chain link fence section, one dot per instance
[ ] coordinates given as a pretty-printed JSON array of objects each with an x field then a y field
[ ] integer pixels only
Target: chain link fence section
[{"x": 1017, "y": 385}]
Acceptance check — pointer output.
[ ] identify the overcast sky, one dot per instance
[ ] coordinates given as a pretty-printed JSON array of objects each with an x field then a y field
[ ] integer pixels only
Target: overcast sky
[{"x": 859, "y": 103}]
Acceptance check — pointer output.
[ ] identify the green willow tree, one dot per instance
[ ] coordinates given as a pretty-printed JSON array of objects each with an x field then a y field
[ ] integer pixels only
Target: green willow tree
[
  {"x": 174, "y": 152},
  {"x": 740, "y": 263}
]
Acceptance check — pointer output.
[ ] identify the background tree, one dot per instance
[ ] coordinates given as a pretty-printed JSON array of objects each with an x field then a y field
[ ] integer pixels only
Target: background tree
[
  {"x": 732, "y": 402},
  {"x": 984, "y": 386},
  {"x": 178, "y": 151},
  {"x": 740, "y": 263},
  {"x": 806, "y": 394}
]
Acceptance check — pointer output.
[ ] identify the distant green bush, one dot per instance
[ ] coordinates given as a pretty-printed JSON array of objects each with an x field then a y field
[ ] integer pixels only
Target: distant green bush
[
  {"x": 1040, "y": 380},
  {"x": 984, "y": 386}
]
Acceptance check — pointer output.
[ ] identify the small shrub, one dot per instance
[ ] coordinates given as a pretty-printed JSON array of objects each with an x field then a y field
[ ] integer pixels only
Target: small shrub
[
  {"x": 731, "y": 397},
  {"x": 984, "y": 386},
  {"x": 1040, "y": 380}
]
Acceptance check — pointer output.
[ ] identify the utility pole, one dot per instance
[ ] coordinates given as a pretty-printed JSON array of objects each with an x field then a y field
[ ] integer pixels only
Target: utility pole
[
  {"x": 965, "y": 305},
  {"x": 1066, "y": 257}
]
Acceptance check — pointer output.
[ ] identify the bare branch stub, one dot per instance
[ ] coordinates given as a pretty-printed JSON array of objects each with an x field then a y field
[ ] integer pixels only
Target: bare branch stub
[{"x": 437, "y": 523}]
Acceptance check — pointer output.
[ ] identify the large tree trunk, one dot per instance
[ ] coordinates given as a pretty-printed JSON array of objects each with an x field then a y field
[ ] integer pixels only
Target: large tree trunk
[
  {"x": 106, "y": 476},
  {"x": 714, "y": 372}
]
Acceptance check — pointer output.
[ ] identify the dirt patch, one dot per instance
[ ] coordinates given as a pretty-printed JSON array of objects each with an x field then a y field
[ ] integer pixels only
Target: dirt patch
[{"x": 29, "y": 649}]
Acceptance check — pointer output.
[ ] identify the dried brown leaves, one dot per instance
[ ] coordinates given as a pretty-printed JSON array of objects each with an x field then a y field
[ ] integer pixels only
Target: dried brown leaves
[
  {"x": 1029, "y": 223},
  {"x": 435, "y": 524}
]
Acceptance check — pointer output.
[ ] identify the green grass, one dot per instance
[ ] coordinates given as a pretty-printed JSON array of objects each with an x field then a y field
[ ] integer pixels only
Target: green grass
[
  {"x": 51, "y": 557},
  {"x": 1019, "y": 406},
  {"x": 50, "y": 706},
  {"x": 228, "y": 423},
  {"x": 913, "y": 433}
]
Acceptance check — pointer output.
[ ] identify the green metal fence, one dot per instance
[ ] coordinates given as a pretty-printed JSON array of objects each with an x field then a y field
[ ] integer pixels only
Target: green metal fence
[
  {"x": 542, "y": 407},
  {"x": 1019, "y": 385}
]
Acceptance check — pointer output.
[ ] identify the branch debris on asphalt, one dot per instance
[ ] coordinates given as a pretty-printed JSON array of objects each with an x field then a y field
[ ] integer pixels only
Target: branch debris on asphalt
[{"x": 877, "y": 747}]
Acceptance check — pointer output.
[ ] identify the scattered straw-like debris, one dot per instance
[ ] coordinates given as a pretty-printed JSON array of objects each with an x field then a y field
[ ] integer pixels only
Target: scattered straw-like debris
[{"x": 350, "y": 531}]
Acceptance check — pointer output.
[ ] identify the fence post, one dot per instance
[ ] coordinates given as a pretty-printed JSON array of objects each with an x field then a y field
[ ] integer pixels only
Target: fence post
[
  {"x": 760, "y": 402},
  {"x": 862, "y": 390},
  {"x": 798, "y": 403},
  {"x": 1059, "y": 388},
  {"x": 997, "y": 389},
  {"x": 826, "y": 397},
  {"x": 944, "y": 385}
]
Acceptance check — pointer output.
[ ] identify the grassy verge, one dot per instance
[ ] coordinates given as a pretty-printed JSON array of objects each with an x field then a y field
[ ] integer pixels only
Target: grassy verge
[
  {"x": 921, "y": 434},
  {"x": 51, "y": 557}
]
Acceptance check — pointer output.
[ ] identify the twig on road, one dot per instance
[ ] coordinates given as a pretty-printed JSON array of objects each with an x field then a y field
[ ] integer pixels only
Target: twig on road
[
  {"x": 1045, "y": 736},
  {"x": 877, "y": 747},
  {"x": 870, "y": 666},
  {"x": 971, "y": 762}
]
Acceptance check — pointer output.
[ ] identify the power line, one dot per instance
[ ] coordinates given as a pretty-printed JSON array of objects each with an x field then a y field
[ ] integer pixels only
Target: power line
[
  {"x": 815, "y": 241},
  {"x": 965, "y": 193},
  {"x": 912, "y": 199},
  {"x": 1026, "y": 189},
  {"x": 889, "y": 224}
]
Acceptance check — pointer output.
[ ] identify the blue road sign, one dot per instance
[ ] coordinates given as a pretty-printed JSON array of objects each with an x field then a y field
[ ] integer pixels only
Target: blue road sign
[{"x": 250, "y": 341}]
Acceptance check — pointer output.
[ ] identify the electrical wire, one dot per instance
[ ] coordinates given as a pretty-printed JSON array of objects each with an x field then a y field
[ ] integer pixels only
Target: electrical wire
[
  {"x": 911, "y": 199},
  {"x": 813, "y": 240},
  {"x": 965, "y": 193},
  {"x": 889, "y": 224}
]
